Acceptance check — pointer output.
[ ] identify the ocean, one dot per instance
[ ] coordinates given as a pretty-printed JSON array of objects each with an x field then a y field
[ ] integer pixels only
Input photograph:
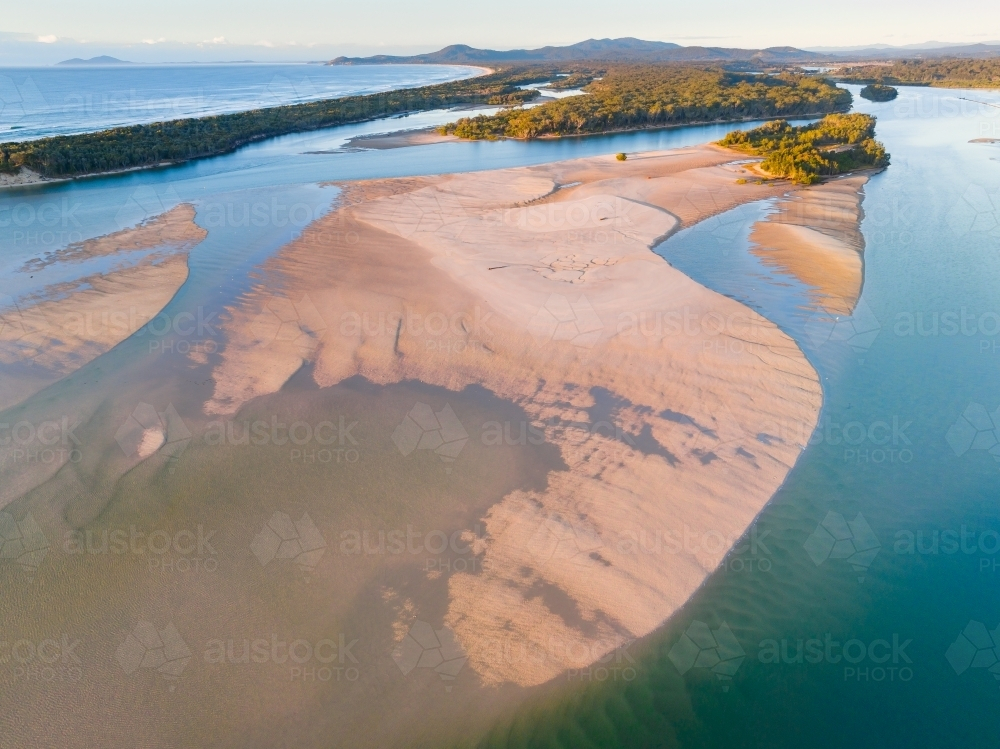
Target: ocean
[{"x": 62, "y": 100}]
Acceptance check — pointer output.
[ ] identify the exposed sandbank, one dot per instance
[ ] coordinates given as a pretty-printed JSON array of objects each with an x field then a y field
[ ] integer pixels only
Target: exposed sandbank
[
  {"x": 401, "y": 139},
  {"x": 814, "y": 235},
  {"x": 22, "y": 176},
  {"x": 560, "y": 307},
  {"x": 70, "y": 324}
]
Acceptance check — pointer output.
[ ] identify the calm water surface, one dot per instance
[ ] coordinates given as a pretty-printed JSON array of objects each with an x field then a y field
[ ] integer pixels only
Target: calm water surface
[
  {"x": 830, "y": 560},
  {"x": 906, "y": 487}
]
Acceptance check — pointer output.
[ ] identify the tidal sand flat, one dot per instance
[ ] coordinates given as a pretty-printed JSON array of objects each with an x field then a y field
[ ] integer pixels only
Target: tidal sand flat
[
  {"x": 538, "y": 285},
  {"x": 68, "y": 324},
  {"x": 814, "y": 235},
  {"x": 465, "y": 436}
]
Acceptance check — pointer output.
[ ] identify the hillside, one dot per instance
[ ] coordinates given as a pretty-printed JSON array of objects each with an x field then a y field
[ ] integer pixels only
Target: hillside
[{"x": 626, "y": 49}]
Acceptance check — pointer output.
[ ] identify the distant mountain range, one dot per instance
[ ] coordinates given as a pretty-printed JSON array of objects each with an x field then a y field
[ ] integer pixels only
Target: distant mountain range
[
  {"x": 607, "y": 50},
  {"x": 914, "y": 51},
  {"x": 102, "y": 60},
  {"x": 629, "y": 49}
]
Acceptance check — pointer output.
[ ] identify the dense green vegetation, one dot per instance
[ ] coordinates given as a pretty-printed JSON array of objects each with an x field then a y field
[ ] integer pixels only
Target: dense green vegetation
[
  {"x": 639, "y": 96},
  {"x": 574, "y": 80},
  {"x": 181, "y": 140},
  {"x": 946, "y": 73},
  {"x": 878, "y": 92},
  {"x": 837, "y": 143}
]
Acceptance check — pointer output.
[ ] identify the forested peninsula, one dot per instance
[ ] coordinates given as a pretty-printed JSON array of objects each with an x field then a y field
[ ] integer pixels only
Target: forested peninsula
[
  {"x": 631, "y": 97},
  {"x": 182, "y": 140},
  {"x": 943, "y": 73}
]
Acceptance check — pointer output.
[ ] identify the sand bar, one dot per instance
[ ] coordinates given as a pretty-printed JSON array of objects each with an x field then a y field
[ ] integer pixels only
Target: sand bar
[
  {"x": 539, "y": 284},
  {"x": 814, "y": 235},
  {"x": 72, "y": 323}
]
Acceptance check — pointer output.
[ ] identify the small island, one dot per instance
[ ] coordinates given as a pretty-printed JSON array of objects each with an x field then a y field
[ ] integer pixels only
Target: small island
[
  {"x": 102, "y": 60},
  {"x": 836, "y": 144},
  {"x": 879, "y": 92}
]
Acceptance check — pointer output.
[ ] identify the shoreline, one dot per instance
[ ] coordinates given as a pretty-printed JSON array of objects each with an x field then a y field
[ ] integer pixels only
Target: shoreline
[
  {"x": 38, "y": 179},
  {"x": 670, "y": 126}
]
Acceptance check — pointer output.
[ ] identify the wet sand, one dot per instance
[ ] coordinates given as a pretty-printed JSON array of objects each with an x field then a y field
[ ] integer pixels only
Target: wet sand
[
  {"x": 401, "y": 139},
  {"x": 69, "y": 324},
  {"x": 815, "y": 236}
]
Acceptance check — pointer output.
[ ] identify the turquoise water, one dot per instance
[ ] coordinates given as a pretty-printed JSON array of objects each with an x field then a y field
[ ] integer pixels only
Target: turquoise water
[
  {"x": 37, "y": 102},
  {"x": 888, "y": 460},
  {"x": 915, "y": 504}
]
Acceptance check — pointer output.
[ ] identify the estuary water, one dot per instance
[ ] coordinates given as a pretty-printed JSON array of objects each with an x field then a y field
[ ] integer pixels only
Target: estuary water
[
  {"x": 864, "y": 599},
  {"x": 880, "y": 554}
]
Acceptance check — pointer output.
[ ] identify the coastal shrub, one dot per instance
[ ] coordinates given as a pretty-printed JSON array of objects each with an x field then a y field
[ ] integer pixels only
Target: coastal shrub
[
  {"x": 836, "y": 144},
  {"x": 621, "y": 156},
  {"x": 878, "y": 92}
]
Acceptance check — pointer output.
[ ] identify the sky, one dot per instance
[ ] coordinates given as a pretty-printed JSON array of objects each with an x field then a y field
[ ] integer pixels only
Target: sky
[{"x": 46, "y": 31}]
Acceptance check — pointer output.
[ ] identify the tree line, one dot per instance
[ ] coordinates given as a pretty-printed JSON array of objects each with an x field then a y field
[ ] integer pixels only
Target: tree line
[
  {"x": 630, "y": 97},
  {"x": 186, "y": 139},
  {"x": 942, "y": 72}
]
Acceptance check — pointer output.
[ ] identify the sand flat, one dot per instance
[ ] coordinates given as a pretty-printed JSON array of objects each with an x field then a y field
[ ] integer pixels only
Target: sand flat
[
  {"x": 70, "y": 324},
  {"x": 815, "y": 236},
  {"x": 174, "y": 229},
  {"x": 551, "y": 298}
]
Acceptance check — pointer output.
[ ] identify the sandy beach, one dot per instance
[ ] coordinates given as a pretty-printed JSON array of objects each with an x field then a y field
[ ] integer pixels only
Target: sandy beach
[{"x": 401, "y": 139}]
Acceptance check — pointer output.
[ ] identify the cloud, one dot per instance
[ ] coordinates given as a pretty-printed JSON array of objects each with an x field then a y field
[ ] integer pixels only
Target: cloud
[{"x": 48, "y": 39}]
